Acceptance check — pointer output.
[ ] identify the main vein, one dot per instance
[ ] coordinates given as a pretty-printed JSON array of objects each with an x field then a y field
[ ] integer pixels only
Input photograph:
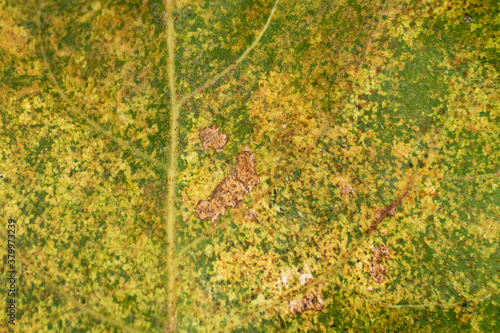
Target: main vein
[{"x": 171, "y": 324}]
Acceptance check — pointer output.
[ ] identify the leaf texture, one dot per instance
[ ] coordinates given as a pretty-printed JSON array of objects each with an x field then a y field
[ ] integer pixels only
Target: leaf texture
[{"x": 349, "y": 129}]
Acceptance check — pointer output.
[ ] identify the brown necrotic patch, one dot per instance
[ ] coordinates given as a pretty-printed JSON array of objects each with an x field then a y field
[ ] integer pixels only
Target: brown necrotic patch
[
  {"x": 212, "y": 137},
  {"x": 311, "y": 302},
  {"x": 378, "y": 271},
  {"x": 231, "y": 190}
]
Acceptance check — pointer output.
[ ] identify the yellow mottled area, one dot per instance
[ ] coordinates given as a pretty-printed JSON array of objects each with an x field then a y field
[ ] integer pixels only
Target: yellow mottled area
[{"x": 373, "y": 125}]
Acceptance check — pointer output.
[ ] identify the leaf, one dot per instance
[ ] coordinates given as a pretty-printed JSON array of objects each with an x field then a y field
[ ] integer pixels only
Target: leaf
[{"x": 350, "y": 127}]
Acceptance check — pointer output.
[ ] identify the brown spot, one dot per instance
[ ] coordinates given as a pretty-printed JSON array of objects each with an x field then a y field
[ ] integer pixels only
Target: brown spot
[
  {"x": 231, "y": 190},
  {"x": 251, "y": 215},
  {"x": 383, "y": 212},
  {"x": 245, "y": 170},
  {"x": 392, "y": 211},
  {"x": 378, "y": 272},
  {"x": 213, "y": 138},
  {"x": 312, "y": 302},
  {"x": 347, "y": 190},
  {"x": 379, "y": 213}
]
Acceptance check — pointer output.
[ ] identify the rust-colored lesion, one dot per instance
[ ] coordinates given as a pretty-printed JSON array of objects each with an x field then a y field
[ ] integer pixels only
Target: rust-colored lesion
[
  {"x": 231, "y": 190},
  {"x": 212, "y": 137}
]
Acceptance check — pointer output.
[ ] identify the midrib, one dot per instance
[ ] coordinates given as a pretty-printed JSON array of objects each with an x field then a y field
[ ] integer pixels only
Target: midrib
[{"x": 171, "y": 323}]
